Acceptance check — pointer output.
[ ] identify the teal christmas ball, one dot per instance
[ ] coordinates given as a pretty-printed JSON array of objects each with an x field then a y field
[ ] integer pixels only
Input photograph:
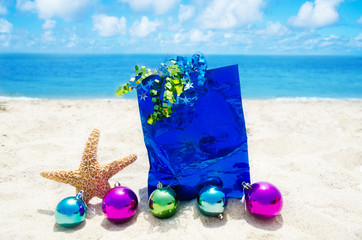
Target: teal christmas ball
[
  {"x": 163, "y": 202},
  {"x": 71, "y": 211},
  {"x": 212, "y": 200}
]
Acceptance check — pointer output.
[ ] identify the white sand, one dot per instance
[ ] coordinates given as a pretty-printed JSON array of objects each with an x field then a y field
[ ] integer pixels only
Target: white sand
[{"x": 311, "y": 150}]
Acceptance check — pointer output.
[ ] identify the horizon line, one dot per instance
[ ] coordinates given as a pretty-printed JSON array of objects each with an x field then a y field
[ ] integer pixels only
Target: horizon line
[{"x": 210, "y": 54}]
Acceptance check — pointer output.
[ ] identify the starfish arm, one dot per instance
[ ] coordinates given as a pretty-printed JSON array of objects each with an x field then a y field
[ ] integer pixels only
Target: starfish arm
[
  {"x": 63, "y": 176},
  {"x": 93, "y": 189},
  {"x": 89, "y": 159},
  {"x": 114, "y": 167},
  {"x": 102, "y": 191}
]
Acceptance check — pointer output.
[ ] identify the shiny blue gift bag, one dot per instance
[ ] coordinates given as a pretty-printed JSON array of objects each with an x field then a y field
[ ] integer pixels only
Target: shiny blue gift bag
[{"x": 204, "y": 139}]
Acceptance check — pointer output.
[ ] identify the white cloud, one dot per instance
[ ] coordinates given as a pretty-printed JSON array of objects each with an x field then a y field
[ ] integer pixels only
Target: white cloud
[
  {"x": 73, "y": 41},
  {"x": 5, "y": 26},
  {"x": 331, "y": 40},
  {"x": 49, "y": 24},
  {"x": 48, "y": 36},
  {"x": 359, "y": 37},
  {"x": 5, "y": 32},
  {"x": 228, "y": 35},
  {"x": 179, "y": 37},
  {"x": 157, "y": 6},
  {"x": 273, "y": 29},
  {"x": 109, "y": 26},
  {"x": 5, "y": 40},
  {"x": 185, "y": 12},
  {"x": 144, "y": 28},
  {"x": 25, "y": 5},
  {"x": 360, "y": 20},
  {"x": 198, "y": 36},
  {"x": 195, "y": 35},
  {"x": 221, "y": 14},
  {"x": 68, "y": 10},
  {"x": 331, "y": 37},
  {"x": 356, "y": 42},
  {"x": 319, "y": 14},
  {"x": 3, "y": 10}
]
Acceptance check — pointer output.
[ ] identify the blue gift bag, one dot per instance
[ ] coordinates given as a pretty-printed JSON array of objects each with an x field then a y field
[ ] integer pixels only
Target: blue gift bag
[{"x": 204, "y": 139}]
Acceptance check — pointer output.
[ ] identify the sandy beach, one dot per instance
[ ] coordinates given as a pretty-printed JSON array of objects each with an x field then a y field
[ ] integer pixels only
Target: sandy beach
[{"x": 310, "y": 149}]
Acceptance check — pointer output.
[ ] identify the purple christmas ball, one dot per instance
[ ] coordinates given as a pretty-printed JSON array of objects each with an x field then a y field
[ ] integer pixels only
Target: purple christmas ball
[
  {"x": 263, "y": 200},
  {"x": 120, "y": 204}
]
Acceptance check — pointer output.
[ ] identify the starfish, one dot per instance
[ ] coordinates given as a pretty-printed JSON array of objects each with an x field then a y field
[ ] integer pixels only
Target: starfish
[
  {"x": 185, "y": 100},
  {"x": 91, "y": 177},
  {"x": 189, "y": 85},
  {"x": 143, "y": 96},
  {"x": 149, "y": 84}
]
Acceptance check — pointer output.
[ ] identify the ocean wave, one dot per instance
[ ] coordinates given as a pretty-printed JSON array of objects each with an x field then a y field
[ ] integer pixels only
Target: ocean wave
[
  {"x": 312, "y": 99},
  {"x": 6, "y": 98},
  {"x": 114, "y": 99}
]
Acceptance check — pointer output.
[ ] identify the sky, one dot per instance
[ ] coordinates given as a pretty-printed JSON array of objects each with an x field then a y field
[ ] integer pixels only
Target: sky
[{"x": 320, "y": 27}]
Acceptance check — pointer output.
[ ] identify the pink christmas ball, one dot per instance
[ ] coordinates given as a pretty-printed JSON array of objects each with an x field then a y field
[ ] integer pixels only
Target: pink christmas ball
[
  {"x": 264, "y": 200},
  {"x": 120, "y": 204}
]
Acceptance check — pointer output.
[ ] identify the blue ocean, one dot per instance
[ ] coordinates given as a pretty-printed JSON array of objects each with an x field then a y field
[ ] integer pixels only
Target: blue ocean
[{"x": 71, "y": 76}]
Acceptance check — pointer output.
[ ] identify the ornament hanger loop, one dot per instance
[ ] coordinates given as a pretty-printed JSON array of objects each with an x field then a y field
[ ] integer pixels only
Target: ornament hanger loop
[
  {"x": 246, "y": 185},
  {"x": 80, "y": 194},
  {"x": 159, "y": 185},
  {"x": 171, "y": 183},
  {"x": 117, "y": 184}
]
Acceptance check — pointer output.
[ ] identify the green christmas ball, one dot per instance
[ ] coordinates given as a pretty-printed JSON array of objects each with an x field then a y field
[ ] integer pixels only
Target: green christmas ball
[{"x": 163, "y": 202}]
